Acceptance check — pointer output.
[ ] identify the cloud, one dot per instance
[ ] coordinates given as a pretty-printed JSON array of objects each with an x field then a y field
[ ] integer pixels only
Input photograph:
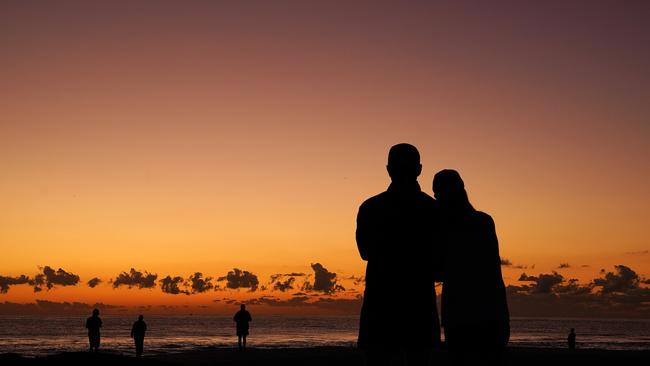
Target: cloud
[
  {"x": 357, "y": 280},
  {"x": 324, "y": 281},
  {"x": 51, "y": 278},
  {"x": 525, "y": 277},
  {"x": 622, "y": 280},
  {"x": 170, "y": 285},
  {"x": 616, "y": 294},
  {"x": 240, "y": 279},
  {"x": 544, "y": 282},
  {"x": 564, "y": 265},
  {"x": 6, "y": 282},
  {"x": 198, "y": 284},
  {"x": 639, "y": 252},
  {"x": 135, "y": 279},
  {"x": 94, "y": 282},
  {"x": 507, "y": 263},
  {"x": 285, "y": 285}
]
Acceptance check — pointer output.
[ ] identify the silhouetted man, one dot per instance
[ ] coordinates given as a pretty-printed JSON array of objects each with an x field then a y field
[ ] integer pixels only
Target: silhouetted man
[
  {"x": 571, "y": 339},
  {"x": 93, "y": 324},
  {"x": 137, "y": 333},
  {"x": 242, "y": 318},
  {"x": 396, "y": 235}
]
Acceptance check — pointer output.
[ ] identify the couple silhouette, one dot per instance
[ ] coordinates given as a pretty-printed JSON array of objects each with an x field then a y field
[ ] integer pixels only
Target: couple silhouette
[{"x": 410, "y": 241}]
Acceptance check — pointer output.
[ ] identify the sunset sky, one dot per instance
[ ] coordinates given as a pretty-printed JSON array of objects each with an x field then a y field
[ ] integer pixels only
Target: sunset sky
[{"x": 209, "y": 136}]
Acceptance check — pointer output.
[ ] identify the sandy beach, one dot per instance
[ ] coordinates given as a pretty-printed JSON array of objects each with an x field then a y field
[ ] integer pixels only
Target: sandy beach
[{"x": 339, "y": 356}]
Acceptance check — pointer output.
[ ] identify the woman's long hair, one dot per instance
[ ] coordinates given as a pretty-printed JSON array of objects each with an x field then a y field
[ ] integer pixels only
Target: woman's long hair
[{"x": 449, "y": 191}]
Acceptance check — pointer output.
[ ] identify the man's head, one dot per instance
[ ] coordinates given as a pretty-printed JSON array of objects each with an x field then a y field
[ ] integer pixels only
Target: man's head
[
  {"x": 140, "y": 317},
  {"x": 404, "y": 163},
  {"x": 242, "y": 306},
  {"x": 95, "y": 312}
]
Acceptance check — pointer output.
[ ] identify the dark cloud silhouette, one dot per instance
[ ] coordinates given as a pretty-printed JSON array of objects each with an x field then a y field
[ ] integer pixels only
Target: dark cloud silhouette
[
  {"x": 324, "y": 281},
  {"x": 240, "y": 279},
  {"x": 507, "y": 263},
  {"x": 6, "y": 282},
  {"x": 544, "y": 282},
  {"x": 622, "y": 280},
  {"x": 198, "y": 284},
  {"x": 94, "y": 282},
  {"x": 285, "y": 285},
  {"x": 616, "y": 294},
  {"x": 171, "y": 285},
  {"x": 564, "y": 265},
  {"x": 525, "y": 277},
  {"x": 357, "y": 280},
  {"x": 135, "y": 279},
  {"x": 585, "y": 266},
  {"x": 647, "y": 282},
  {"x": 51, "y": 278}
]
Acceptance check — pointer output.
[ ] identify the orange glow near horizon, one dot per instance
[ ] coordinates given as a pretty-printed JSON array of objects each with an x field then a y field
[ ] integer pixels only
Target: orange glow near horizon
[{"x": 177, "y": 142}]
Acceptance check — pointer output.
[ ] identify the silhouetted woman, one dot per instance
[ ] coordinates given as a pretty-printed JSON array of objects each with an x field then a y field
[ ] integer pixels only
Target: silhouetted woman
[{"x": 474, "y": 308}]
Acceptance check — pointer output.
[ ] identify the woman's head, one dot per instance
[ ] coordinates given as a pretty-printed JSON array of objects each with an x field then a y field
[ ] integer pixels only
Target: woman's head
[{"x": 449, "y": 189}]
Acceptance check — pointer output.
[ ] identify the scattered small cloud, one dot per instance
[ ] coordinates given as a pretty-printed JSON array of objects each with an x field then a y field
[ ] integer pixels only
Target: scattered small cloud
[
  {"x": 564, "y": 265},
  {"x": 199, "y": 284},
  {"x": 623, "y": 279},
  {"x": 7, "y": 282},
  {"x": 171, "y": 285},
  {"x": 638, "y": 252},
  {"x": 51, "y": 278},
  {"x": 324, "y": 281},
  {"x": 506, "y": 262},
  {"x": 237, "y": 278},
  {"x": 93, "y": 282},
  {"x": 285, "y": 285},
  {"x": 135, "y": 278}
]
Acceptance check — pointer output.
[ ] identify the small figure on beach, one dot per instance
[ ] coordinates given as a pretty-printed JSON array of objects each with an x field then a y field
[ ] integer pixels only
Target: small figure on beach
[
  {"x": 93, "y": 324},
  {"x": 476, "y": 322},
  {"x": 397, "y": 234},
  {"x": 242, "y": 318},
  {"x": 571, "y": 339},
  {"x": 137, "y": 333}
]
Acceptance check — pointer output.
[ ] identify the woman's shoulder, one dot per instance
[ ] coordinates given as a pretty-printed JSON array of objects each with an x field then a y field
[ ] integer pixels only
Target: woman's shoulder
[{"x": 484, "y": 218}]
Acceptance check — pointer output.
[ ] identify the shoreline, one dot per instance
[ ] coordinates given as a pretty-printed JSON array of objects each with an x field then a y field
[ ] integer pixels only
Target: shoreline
[{"x": 317, "y": 356}]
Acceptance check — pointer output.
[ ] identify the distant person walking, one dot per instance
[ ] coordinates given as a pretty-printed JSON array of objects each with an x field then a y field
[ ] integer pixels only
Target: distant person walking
[
  {"x": 398, "y": 237},
  {"x": 571, "y": 339},
  {"x": 93, "y": 324},
  {"x": 475, "y": 313},
  {"x": 242, "y": 318},
  {"x": 137, "y": 333}
]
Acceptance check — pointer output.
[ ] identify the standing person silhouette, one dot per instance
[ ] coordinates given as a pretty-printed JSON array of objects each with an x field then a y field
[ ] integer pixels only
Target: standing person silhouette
[
  {"x": 396, "y": 235},
  {"x": 474, "y": 308},
  {"x": 93, "y": 324},
  {"x": 137, "y": 333},
  {"x": 571, "y": 339},
  {"x": 242, "y": 318}
]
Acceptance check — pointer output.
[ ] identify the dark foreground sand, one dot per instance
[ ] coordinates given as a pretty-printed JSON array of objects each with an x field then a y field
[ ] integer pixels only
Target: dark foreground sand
[{"x": 323, "y": 356}]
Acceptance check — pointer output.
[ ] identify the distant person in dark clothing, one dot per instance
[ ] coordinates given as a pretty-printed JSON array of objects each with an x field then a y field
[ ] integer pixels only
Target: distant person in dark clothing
[
  {"x": 93, "y": 324},
  {"x": 397, "y": 235},
  {"x": 242, "y": 318},
  {"x": 571, "y": 339},
  {"x": 475, "y": 313},
  {"x": 137, "y": 333}
]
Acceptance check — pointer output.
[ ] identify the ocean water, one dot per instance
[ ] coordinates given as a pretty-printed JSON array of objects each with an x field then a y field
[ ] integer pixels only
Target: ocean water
[{"x": 47, "y": 335}]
